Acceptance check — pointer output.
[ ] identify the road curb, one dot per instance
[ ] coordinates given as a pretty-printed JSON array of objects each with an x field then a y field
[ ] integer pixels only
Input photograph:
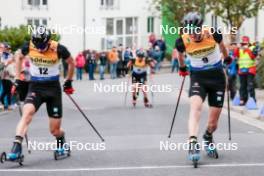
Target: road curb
[{"x": 242, "y": 115}]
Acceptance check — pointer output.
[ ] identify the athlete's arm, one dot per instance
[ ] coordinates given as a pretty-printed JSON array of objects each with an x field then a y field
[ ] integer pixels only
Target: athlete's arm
[
  {"x": 70, "y": 63},
  {"x": 179, "y": 45},
  {"x": 218, "y": 37},
  {"x": 129, "y": 64},
  {"x": 19, "y": 56},
  {"x": 64, "y": 53},
  {"x": 223, "y": 49}
]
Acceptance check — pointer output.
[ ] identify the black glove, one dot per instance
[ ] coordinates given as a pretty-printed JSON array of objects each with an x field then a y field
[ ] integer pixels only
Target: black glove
[
  {"x": 183, "y": 71},
  {"x": 67, "y": 87},
  {"x": 228, "y": 60}
]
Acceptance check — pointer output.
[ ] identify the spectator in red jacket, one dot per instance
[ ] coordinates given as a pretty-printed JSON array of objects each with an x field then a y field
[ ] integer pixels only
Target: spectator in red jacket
[{"x": 79, "y": 64}]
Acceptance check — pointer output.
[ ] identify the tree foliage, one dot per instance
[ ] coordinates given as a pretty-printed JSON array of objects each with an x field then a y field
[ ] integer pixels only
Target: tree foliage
[
  {"x": 234, "y": 12},
  {"x": 260, "y": 68},
  {"x": 16, "y": 36},
  {"x": 174, "y": 10}
]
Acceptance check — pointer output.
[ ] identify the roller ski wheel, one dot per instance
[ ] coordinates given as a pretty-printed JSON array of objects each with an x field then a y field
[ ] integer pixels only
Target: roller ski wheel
[
  {"x": 148, "y": 106},
  {"x": 211, "y": 152},
  {"x": 194, "y": 153},
  {"x": 210, "y": 147},
  {"x": 3, "y": 157},
  {"x": 62, "y": 153},
  {"x": 12, "y": 158},
  {"x": 195, "y": 164},
  {"x": 134, "y": 101}
]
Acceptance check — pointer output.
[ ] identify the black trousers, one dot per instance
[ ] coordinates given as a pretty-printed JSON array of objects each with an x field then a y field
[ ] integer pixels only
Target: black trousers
[
  {"x": 247, "y": 87},
  {"x": 7, "y": 86}
]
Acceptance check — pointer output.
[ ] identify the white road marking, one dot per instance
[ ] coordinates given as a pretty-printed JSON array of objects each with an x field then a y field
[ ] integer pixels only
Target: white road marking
[{"x": 136, "y": 168}]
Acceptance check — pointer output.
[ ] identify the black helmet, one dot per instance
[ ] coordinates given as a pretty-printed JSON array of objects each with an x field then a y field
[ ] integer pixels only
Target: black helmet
[
  {"x": 193, "y": 19},
  {"x": 140, "y": 53},
  {"x": 40, "y": 37}
]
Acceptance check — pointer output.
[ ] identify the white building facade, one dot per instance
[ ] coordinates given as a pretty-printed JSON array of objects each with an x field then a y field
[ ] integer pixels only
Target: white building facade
[{"x": 107, "y": 22}]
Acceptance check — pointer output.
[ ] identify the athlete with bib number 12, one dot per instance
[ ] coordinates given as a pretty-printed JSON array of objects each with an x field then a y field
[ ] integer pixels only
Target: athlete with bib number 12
[
  {"x": 44, "y": 87},
  {"x": 203, "y": 46}
]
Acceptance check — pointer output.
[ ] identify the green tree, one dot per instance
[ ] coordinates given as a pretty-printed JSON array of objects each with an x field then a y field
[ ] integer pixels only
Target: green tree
[
  {"x": 234, "y": 12},
  {"x": 260, "y": 68},
  {"x": 16, "y": 36},
  {"x": 175, "y": 10}
]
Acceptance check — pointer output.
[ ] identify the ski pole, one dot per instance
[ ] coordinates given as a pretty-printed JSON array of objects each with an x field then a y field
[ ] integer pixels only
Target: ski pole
[
  {"x": 125, "y": 99},
  {"x": 151, "y": 84},
  {"x": 177, "y": 105},
  {"x": 20, "y": 113},
  {"x": 228, "y": 105},
  {"x": 81, "y": 111}
]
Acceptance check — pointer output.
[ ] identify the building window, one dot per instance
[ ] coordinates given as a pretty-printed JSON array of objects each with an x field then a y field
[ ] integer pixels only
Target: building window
[
  {"x": 119, "y": 27},
  {"x": 120, "y": 31},
  {"x": 44, "y": 22},
  {"x": 129, "y": 25},
  {"x": 30, "y": 22},
  {"x": 150, "y": 24},
  {"x": 44, "y": 2},
  {"x": 110, "y": 26},
  {"x": 37, "y": 21},
  {"x": 35, "y": 4},
  {"x": 109, "y": 4}
]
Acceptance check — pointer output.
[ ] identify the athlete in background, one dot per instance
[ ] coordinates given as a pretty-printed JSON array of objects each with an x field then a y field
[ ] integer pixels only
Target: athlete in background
[{"x": 139, "y": 76}]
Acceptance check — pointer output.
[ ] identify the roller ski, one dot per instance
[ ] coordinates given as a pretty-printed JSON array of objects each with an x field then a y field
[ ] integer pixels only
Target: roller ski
[
  {"x": 63, "y": 149},
  {"x": 147, "y": 104},
  {"x": 194, "y": 152},
  {"x": 209, "y": 145},
  {"x": 134, "y": 101},
  {"x": 62, "y": 153},
  {"x": 15, "y": 155}
]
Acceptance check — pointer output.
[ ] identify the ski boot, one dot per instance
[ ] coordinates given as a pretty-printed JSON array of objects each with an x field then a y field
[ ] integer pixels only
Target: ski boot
[
  {"x": 146, "y": 103},
  {"x": 194, "y": 151},
  {"x": 63, "y": 149},
  {"x": 16, "y": 153},
  {"x": 210, "y": 147},
  {"x": 134, "y": 102}
]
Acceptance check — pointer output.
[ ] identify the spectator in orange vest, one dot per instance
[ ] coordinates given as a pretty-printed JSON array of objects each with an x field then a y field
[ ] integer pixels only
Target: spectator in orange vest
[
  {"x": 113, "y": 60},
  {"x": 247, "y": 70}
]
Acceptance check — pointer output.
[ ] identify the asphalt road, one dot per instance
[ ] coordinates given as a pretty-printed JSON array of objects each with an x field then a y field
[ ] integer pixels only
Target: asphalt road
[{"x": 133, "y": 137}]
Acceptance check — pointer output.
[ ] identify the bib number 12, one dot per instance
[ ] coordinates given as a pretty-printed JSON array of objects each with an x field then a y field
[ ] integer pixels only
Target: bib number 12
[{"x": 43, "y": 71}]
